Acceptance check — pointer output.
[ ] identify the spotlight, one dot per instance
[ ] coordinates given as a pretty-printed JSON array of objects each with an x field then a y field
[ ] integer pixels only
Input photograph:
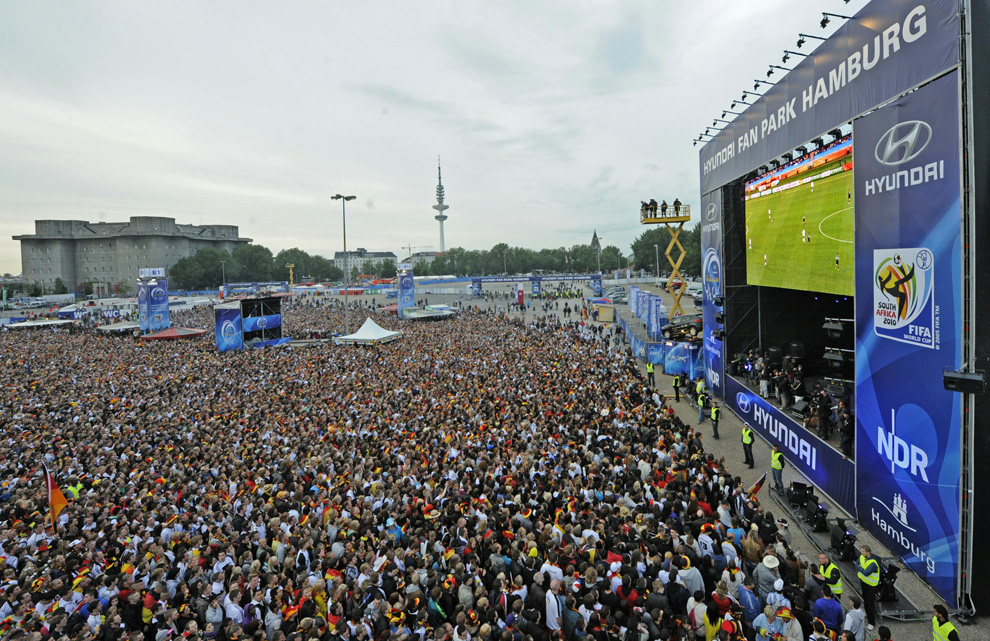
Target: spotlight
[
  {"x": 718, "y": 334},
  {"x": 818, "y": 515},
  {"x": 719, "y": 301},
  {"x": 836, "y": 134},
  {"x": 748, "y": 93},
  {"x": 803, "y": 36},
  {"x": 843, "y": 540},
  {"x": 775, "y": 164},
  {"x": 788, "y": 54},
  {"x": 720, "y": 318},
  {"x": 720, "y": 120},
  {"x": 802, "y": 150},
  {"x": 797, "y": 494},
  {"x": 729, "y": 111},
  {"x": 772, "y": 67},
  {"x": 788, "y": 157},
  {"x": 825, "y": 18},
  {"x": 818, "y": 142}
]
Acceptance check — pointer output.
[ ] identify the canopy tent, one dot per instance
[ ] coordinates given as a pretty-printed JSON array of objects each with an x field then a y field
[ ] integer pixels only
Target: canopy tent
[
  {"x": 173, "y": 333},
  {"x": 120, "y": 327},
  {"x": 369, "y": 334},
  {"x": 39, "y": 323},
  {"x": 394, "y": 308}
]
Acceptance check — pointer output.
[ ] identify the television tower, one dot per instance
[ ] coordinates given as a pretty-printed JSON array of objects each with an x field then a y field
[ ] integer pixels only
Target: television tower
[{"x": 440, "y": 207}]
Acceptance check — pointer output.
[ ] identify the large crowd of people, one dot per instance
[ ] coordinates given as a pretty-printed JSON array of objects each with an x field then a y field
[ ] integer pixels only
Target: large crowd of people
[{"x": 487, "y": 478}]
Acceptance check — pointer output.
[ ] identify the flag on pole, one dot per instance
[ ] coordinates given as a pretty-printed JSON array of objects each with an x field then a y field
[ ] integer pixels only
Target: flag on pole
[
  {"x": 752, "y": 491},
  {"x": 56, "y": 500}
]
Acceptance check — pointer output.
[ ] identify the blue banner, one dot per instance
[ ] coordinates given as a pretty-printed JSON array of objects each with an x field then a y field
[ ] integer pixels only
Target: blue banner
[
  {"x": 596, "y": 284},
  {"x": 638, "y": 346},
  {"x": 228, "y": 328},
  {"x": 257, "y": 323},
  {"x": 633, "y": 296},
  {"x": 684, "y": 359},
  {"x": 887, "y": 48},
  {"x": 476, "y": 287},
  {"x": 711, "y": 288},
  {"x": 537, "y": 284},
  {"x": 654, "y": 353},
  {"x": 908, "y": 318},
  {"x": 407, "y": 292},
  {"x": 821, "y": 464},
  {"x": 144, "y": 305},
  {"x": 158, "y": 317}
]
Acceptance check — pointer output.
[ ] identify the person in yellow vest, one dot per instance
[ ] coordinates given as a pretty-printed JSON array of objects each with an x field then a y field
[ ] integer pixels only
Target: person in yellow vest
[
  {"x": 701, "y": 408},
  {"x": 942, "y": 630},
  {"x": 869, "y": 578},
  {"x": 649, "y": 374},
  {"x": 747, "y": 443},
  {"x": 716, "y": 414},
  {"x": 777, "y": 467},
  {"x": 828, "y": 574},
  {"x": 677, "y": 388}
]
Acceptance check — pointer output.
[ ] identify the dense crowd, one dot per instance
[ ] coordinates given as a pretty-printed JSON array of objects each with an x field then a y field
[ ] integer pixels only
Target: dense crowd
[{"x": 486, "y": 478}]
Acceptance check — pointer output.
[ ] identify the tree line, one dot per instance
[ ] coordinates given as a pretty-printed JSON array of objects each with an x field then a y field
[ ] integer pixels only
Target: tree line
[{"x": 210, "y": 267}]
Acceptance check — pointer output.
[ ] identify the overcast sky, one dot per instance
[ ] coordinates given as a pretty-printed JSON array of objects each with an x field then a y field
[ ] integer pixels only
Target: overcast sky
[{"x": 552, "y": 119}]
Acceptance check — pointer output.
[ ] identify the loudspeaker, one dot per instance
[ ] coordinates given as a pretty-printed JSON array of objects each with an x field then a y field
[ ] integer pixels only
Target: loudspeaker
[
  {"x": 774, "y": 357},
  {"x": 800, "y": 407},
  {"x": 965, "y": 382},
  {"x": 795, "y": 350}
]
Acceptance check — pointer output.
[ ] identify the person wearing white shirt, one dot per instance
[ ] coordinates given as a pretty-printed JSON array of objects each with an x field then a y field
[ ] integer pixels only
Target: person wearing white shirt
[{"x": 555, "y": 610}]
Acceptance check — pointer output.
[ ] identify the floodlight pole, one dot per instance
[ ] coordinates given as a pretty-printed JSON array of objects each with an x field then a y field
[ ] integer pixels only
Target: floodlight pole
[
  {"x": 656, "y": 248},
  {"x": 343, "y": 211}
]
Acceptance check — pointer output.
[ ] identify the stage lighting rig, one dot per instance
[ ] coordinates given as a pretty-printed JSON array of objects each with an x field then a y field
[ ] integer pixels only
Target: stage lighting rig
[
  {"x": 817, "y": 511},
  {"x": 836, "y": 134},
  {"x": 748, "y": 93},
  {"x": 826, "y": 15},
  {"x": 788, "y": 54},
  {"x": 803, "y": 36},
  {"x": 788, "y": 157},
  {"x": 757, "y": 83},
  {"x": 772, "y": 67},
  {"x": 802, "y": 150},
  {"x": 729, "y": 111},
  {"x": 818, "y": 142},
  {"x": 843, "y": 540}
]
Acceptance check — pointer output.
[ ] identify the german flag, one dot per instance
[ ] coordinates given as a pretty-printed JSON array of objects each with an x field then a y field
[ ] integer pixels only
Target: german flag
[
  {"x": 756, "y": 487},
  {"x": 56, "y": 500}
]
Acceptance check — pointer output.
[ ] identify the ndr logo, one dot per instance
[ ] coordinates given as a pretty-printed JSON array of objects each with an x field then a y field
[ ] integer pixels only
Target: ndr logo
[{"x": 900, "y": 453}]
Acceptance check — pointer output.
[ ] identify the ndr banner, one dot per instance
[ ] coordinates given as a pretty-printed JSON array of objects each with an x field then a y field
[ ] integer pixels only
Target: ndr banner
[
  {"x": 908, "y": 315},
  {"x": 886, "y": 49},
  {"x": 711, "y": 287},
  {"x": 822, "y": 465},
  {"x": 407, "y": 292}
]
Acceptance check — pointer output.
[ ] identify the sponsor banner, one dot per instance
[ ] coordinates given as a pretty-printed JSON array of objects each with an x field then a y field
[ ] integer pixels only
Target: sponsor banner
[
  {"x": 656, "y": 318},
  {"x": 711, "y": 287},
  {"x": 158, "y": 317},
  {"x": 476, "y": 287},
  {"x": 821, "y": 464},
  {"x": 537, "y": 286},
  {"x": 633, "y": 294},
  {"x": 144, "y": 305},
  {"x": 228, "y": 329},
  {"x": 887, "y": 48},
  {"x": 654, "y": 353},
  {"x": 407, "y": 292},
  {"x": 908, "y": 317},
  {"x": 684, "y": 359},
  {"x": 638, "y": 346},
  {"x": 596, "y": 284},
  {"x": 258, "y": 323}
]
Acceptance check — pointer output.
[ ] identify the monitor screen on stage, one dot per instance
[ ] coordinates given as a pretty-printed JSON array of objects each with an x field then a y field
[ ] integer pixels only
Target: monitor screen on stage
[{"x": 799, "y": 223}]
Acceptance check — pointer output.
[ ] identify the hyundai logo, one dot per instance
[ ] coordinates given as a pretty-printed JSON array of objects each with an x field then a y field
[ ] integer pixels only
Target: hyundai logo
[
  {"x": 743, "y": 402},
  {"x": 711, "y": 212},
  {"x": 903, "y": 142}
]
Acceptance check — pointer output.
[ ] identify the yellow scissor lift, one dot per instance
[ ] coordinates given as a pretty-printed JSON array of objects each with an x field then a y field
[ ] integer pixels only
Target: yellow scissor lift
[{"x": 674, "y": 218}]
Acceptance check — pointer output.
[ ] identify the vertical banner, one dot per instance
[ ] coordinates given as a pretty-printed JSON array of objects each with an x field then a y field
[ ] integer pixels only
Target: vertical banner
[
  {"x": 596, "y": 285},
  {"x": 537, "y": 285},
  {"x": 407, "y": 291},
  {"x": 711, "y": 279},
  {"x": 228, "y": 327},
  {"x": 158, "y": 317},
  {"x": 519, "y": 294},
  {"x": 633, "y": 296},
  {"x": 476, "y": 287},
  {"x": 143, "y": 305},
  {"x": 908, "y": 318}
]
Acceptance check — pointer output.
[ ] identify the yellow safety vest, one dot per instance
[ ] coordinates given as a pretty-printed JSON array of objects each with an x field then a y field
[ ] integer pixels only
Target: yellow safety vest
[
  {"x": 649, "y": 368},
  {"x": 775, "y": 460},
  {"x": 747, "y": 436},
  {"x": 867, "y": 576},
  {"x": 677, "y": 381},
  {"x": 700, "y": 387},
  {"x": 827, "y": 572},
  {"x": 941, "y": 632},
  {"x": 701, "y": 400},
  {"x": 716, "y": 412}
]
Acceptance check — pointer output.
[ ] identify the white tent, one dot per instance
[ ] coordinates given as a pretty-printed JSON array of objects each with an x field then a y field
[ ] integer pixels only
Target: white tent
[{"x": 370, "y": 334}]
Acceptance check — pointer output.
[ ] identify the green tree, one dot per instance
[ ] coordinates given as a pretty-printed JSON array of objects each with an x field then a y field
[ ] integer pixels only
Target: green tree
[
  {"x": 186, "y": 273},
  {"x": 60, "y": 287},
  {"x": 254, "y": 263},
  {"x": 124, "y": 288},
  {"x": 645, "y": 255},
  {"x": 294, "y": 256},
  {"x": 86, "y": 288},
  {"x": 386, "y": 269}
]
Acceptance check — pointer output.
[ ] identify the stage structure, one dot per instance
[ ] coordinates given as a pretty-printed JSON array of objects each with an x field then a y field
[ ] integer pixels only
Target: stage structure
[
  {"x": 673, "y": 218},
  {"x": 152, "y": 295},
  {"x": 792, "y": 240},
  {"x": 249, "y": 323}
]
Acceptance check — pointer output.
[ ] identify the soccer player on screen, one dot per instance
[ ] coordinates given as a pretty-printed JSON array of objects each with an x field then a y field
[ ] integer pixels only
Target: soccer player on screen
[{"x": 836, "y": 260}]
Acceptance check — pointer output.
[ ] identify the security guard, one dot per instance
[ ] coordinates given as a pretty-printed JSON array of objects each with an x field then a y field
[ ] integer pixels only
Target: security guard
[
  {"x": 829, "y": 574},
  {"x": 869, "y": 578},
  {"x": 701, "y": 408},
  {"x": 716, "y": 414},
  {"x": 777, "y": 467},
  {"x": 942, "y": 630},
  {"x": 677, "y": 388},
  {"x": 700, "y": 387},
  {"x": 649, "y": 374},
  {"x": 747, "y": 442}
]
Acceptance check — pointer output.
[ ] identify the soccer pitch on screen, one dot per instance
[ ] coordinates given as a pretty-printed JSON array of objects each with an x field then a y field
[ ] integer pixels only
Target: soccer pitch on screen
[{"x": 799, "y": 223}]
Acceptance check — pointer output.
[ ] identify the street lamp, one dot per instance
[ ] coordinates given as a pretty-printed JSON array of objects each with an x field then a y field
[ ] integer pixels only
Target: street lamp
[
  {"x": 656, "y": 248},
  {"x": 343, "y": 210},
  {"x": 505, "y": 270},
  {"x": 223, "y": 272}
]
